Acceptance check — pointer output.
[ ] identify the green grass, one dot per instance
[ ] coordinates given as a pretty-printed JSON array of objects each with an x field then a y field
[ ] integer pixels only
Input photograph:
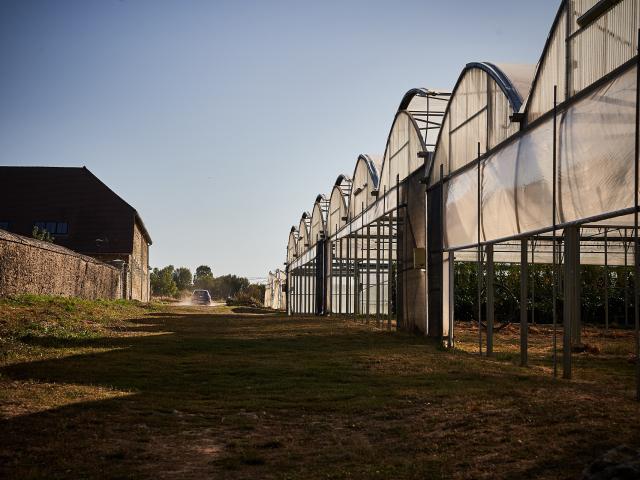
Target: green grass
[
  {"x": 190, "y": 392},
  {"x": 27, "y": 321}
]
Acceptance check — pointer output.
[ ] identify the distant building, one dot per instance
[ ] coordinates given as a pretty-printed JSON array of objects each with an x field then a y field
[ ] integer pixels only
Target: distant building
[
  {"x": 82, "y": 214},
  {"x": 274, "y": 292}
]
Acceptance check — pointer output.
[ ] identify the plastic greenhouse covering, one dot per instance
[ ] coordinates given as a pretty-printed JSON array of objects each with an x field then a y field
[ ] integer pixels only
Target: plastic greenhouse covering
[{"x": 595, "y": 148}]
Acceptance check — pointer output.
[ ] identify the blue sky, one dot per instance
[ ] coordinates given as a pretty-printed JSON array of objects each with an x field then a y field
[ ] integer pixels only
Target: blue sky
[{"x": 220, "y": 121}]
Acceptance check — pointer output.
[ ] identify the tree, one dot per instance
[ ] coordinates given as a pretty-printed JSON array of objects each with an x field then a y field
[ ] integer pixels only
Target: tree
[
  {"x": 42, "y": 234},
  {"x": 228, "y": 286},
  {"x": 255, "y": 291},
  {"x": 162, "y": 283},
  {"x": 203, "y": 278},
  {"x": 183, "y": 278}
]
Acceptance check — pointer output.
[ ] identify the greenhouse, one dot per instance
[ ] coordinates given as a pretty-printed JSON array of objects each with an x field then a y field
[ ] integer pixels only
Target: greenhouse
[
  {"x": 516, "y": 165},
  {"x": 274, "y": 293}
]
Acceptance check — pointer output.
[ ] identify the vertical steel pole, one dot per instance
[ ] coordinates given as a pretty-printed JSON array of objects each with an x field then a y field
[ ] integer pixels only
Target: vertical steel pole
[
  {"x": 306, "y": 288},
  {"x": 524, "y": 326},
  {"x": 636, "y": 244},
  {"x": 348, "y": 273},
  {"x": 571, "y": 304},
  {"x": 626, "y": 280},
  {"x": 298, "y": 291},
  {"x": 452, "y": 298},
  {"x": 368, "y": 282},
  {"x": 330, "y": 275},
  {"x": 378, "y": 242},
  {"x": 490, "y": 298},
  {"x": 554, "y": 267},
  {"x": 292, "y": 290},
  {"x": 356, "y": 279},
  {"x": 340, "y": 277},
  {"x": 309, "y": 287},
  {"x": 389, "y": 284},
  {"x": 606, "y": 283},
  {"x": 479, "y": 263},
  {"x": 399, "y": 298},
  {"x": 450, "y": 257},
  {"x": 288, "y": 292},
  {"x": 533, "y": 281}
]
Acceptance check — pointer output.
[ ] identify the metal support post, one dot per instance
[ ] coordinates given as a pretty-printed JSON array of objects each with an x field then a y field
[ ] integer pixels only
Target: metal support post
[
  {"x": 378, "y": 242},
  {"x": 368, "y": 270},
  {"x": 348, "y": 274},
  {"x": 340, "y": 309},
  {"x": 606, "y": 283},
  {"x": 571, "y": 301},
  {"x": 554, "y": 267},
  {"x": 636, "y": 243},
  {"x": 490, "y": 298},
  {"x": 534, "y": 275},
  {"x": 389, "y": 281},
  {"x": 399, "y": 297},
  {"x": 356, "y": 279},
  {"x": 524, "y": 326}
]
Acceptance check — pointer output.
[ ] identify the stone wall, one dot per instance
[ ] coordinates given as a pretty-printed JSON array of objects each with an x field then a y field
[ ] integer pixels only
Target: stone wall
[
  {"x": 139, "y": 266},
  {"x": 32, "y": 266}
]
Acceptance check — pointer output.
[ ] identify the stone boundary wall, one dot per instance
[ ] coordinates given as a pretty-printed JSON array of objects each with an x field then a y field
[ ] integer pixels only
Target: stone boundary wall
[{"x": 28, "y": 265}]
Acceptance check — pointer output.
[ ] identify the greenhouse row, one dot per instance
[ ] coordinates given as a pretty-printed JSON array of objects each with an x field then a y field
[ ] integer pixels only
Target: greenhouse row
[{"x": 516, "y": 164}]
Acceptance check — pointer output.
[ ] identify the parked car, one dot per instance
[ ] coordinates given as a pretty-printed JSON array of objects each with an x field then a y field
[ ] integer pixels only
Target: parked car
[{"x": 200, "y": 297}]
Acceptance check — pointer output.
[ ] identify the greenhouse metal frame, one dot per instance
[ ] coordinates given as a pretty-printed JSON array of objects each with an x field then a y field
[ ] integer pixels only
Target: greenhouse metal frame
[{"x": 517, "y": 164}]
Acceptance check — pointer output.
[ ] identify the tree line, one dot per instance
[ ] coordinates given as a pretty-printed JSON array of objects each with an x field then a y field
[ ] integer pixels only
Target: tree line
[{"x": 178, "y": 282}]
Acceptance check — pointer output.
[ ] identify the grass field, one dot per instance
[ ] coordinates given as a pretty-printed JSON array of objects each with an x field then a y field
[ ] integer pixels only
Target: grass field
[{"x": 122, "y": 390}]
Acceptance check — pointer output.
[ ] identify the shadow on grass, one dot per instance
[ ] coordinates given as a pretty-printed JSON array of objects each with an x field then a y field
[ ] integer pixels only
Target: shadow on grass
[
  {"x": 193, "y": 378},
  {"x": 255, "y": 310},
  {"x": 187, "y": 372}
]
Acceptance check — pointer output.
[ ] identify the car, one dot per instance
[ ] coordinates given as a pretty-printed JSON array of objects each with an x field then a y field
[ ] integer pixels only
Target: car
[{"x": 200, "y": 297}]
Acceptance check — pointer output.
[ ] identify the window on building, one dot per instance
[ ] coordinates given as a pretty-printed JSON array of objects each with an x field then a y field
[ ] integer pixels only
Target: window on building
[{"x": 54, "y": 228}]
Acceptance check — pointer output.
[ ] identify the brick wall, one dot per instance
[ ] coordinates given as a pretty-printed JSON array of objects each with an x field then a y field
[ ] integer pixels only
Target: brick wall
[{"x": 32, "y": 266}]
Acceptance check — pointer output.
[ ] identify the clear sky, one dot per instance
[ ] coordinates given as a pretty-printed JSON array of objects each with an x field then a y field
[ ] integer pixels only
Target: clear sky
[{"x": 220, "y": 121}]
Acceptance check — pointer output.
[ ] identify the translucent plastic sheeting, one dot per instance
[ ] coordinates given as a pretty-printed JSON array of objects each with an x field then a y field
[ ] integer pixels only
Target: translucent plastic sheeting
[
  {"x": 318, "y": 219},
  {"x": 520, "y": 75},
  {"x": 605, "y": 44},
  {"x": 595, "y": 152},
  {"x": 303, "y": 259},
  {"x": 365, "y": 181},
  {"x": 303, "y": 233},
  {"x": 338, "y": 208},
  {"x": 274, "y": 295},
  {"x": 591, "y": 253},
  {"x": 292, "y": 246},
  {"x": 551, "y": 71},
  {"x": 427, "y": 110},
  {"x": 376, "y": 241},
  {"x": 479, "y": 112},
  {"x": 377, "y": 210},
  {"x": 401, "y": 154}
]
